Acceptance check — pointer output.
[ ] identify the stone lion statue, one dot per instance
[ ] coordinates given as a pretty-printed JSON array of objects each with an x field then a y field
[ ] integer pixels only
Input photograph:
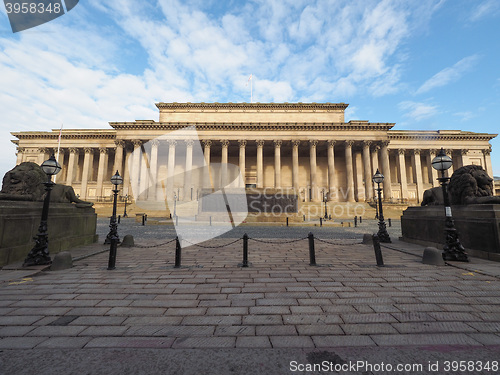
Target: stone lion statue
[
  {"x": 25, "y": 183},
  {"x": 468, "y": 185}
]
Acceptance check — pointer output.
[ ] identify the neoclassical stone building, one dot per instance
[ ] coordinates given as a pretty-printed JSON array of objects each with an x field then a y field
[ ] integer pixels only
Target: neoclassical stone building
[{"x": 307, "y": 147}]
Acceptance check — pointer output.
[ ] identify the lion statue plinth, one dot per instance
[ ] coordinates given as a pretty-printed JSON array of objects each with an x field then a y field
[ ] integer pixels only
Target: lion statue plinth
[
  {"x": 25, "y": 183},
  {"x": 468, "y": 185}
]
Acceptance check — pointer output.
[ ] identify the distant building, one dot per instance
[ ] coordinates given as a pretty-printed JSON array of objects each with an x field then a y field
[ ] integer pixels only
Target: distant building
[{"x": 302, "y": 146}]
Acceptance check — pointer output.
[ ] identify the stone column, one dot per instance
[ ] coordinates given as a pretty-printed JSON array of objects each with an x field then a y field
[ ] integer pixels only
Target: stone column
[
  {"x": 224, "y": 161},
  {"x": 207, "y": 143},
  {"x": 126, "y": 171},
  {"x": 349, "y": 171},
  {"x": 402, "y": 173},
  {"x": 464, "y": 159},
  {"x": 487, "y": 162},
  {"x": 449, "y": 152},
  {"x": 20, "y": 151},
  {"x": 367, "y": 170},
  {"x": 434, "y": 173},
  {"x": 153, "y": 169},
  {"x": 386, "y": 171},
  {"x": 375, "y": 165},
  {"x": 314, "y": 182},
  {"x": 60, "y": 160},
  {"x": 86, "y": 170},
  {"x": 359, "y": 192},
  {"x": 118, "y": 163},
  {"x": 295, "y": 165},
  {"x": 171, "y": 168},
  {"x": 136, "y": 167},
  {"x": 260, "y": 163},
  {"x": 277, "y": 163},
  {"x": 72, "y": 162},
  {"x": 242, "y": 143},
  {"x": 44, "y": 155},
  {"x": 332, "y": 178},
  {"x": 188, "y": 172},
  {"x": 101, "y": 169},
  {"x": 417, "y": 166}
]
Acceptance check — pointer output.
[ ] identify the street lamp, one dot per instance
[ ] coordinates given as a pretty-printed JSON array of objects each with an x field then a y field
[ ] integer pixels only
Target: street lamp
[
  {"x": 382, "y": 234},
  {"x": 175, "y": 205},
  {"x": 125, "y": 210},
  {"x": 325, "y": 199},
  {"x": 39, "y": 255},
  {"x": 113, "y": 228},
  {"x": 452, "y": 249}
]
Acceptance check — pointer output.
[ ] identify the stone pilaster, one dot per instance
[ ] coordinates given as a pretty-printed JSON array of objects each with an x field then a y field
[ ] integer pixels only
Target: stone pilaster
[
  {"x": 417, "y": 167},
  {"x": 153, "y": 169},
  {"x": 87, "y": 164},
  {"x": 402, "y": 173},
  {"x": 188, "y": 172},
  {"x": 44, "y": 154},
  {"x": 20, "y": 152},
  {"x": 101, "y": 170},
  {"x": 243, "y": 143},
  {"x": 72, "y": 163},
  {"x": 434, "y": 173},
  {"x": 136, "y": 167},
  {"x": 332, "y": 177},
  {"x": 171, "y": 168},
  {"x": 118, "y": 163},
  {"x": 487, "y": 161},
  {"x": 224, "y": 161}
]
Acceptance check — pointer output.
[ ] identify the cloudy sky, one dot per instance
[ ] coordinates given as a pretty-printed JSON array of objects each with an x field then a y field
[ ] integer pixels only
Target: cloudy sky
[{"x": 423, "y": 64}]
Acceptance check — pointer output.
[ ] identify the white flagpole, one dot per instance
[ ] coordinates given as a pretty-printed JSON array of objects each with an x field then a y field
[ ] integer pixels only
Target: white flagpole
[{"x": 58, "y": 148}]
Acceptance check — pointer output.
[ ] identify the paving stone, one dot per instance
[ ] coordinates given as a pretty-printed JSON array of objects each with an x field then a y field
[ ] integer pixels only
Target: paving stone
[
  {"x": 368, "y": 328},
  {"x": 15, "y": 330},
  {"x": 485, "y": 326},
  {"x": 277, "y": 302},
  {"x": 130, "y": 342},
  {"x": 212, "y": 320},
  {"x": 334, "y": 341},
  {"x": 262, "y": 319},
  {"x": 339, "y": 309},
  {"x": 312, "y": 319},
  {"x": 425, "y": 339},
  {"x": 368, "y": 318},
  {"x": 227, "y": 311},
  {"x": 235, "y": 331},
  {"x": 64, "y": 343},
  {"x": 152, "y": 320},
  {"x": 104, "y": 331},
  {"x": 19, "y": 320},
  {"x": 486, "y": 338},
  {"x": 204, "y": 342},
  {"x": 20, "y": 342},
  {"x": 185, "y": 331},
  {"x": 306, "y": 309},
  {"x": 56, "y": 331},
  {"x": 421, "y": 327},
  {"x": 319, "y": 329},
  {"x": 269, "y": 310},
  {"x": 276, "y": 330},
  {"x": 253, "y": 342},
  {"x": 291, "y": 342},
  {"x": 138, "y": 311},
  {"x": 215, "y": 303},
  {"x": 97, "y": 320},
  {"x": 40, "y": 311}
]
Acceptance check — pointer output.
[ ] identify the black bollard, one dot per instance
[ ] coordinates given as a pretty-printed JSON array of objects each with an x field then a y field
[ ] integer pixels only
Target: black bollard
[
  {"x": 390, "y": 223},
  {"x": 170, "y": 215},
  {"x": 355, "y": 221},
  {"x": 360, "y": 219},
  {"x": 287, "y": 221},
  {"x": 143, "y": 219},
  {"x": 177, "y": 253},
  {"x": 378, "y": 251},
  {"x": 304, "y": 217},
  {"x": 245, "y": 251},
  {"x": 118, "y": 219},
  {"x": 312, "y": 254},
  {"x": 320, "y": 221}
]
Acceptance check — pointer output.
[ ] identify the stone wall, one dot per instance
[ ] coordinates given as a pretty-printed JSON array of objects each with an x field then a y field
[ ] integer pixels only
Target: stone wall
[{"x": 68, "y": 227}]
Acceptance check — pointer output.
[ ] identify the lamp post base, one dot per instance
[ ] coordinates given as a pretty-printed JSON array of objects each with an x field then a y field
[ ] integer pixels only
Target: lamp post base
[
  {"x": 453, "y": 249},
  {"x": 39, "y": 255}
]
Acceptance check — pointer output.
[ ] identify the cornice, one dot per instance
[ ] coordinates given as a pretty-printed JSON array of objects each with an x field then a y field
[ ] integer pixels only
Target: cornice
[
  {"x": 253, "y": 106},
  {"x": 444, "y": 135},
  {"x": 73, "y": 134},
  {"x": 262, "y": 126}
]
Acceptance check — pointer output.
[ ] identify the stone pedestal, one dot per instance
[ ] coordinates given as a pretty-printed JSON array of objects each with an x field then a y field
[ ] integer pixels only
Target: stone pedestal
[
  {"x": 68, "y": 227},
  {"x": 478, "y": 226}
]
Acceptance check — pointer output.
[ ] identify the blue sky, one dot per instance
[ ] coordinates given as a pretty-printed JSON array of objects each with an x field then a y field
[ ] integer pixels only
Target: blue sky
[{"x": 423, "y": 64}]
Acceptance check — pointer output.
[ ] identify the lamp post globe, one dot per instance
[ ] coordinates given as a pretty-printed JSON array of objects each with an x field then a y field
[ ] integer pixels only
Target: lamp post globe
[
  {"x": 452, "y": 249},
  {"x": 39, "y": 254},
  {"x": 382, "y": 234},
  {"x": 112, "y": 237}
]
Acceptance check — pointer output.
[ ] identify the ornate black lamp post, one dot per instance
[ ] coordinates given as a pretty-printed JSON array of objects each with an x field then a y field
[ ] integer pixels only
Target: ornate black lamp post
[
  {"x": 452, "y": 249},
  {"x": 175, "y": 206},
  {"x": 382, "y": 234},
  {"x": 325, "y": 199},
  {"x": 125, "y": 210},
  {"x": 39, "y": 255},
  {"x": 113, "y": 228}
]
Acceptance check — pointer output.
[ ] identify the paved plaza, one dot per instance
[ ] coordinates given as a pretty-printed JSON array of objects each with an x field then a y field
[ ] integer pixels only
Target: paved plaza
[{"x": 278, "y": 316}]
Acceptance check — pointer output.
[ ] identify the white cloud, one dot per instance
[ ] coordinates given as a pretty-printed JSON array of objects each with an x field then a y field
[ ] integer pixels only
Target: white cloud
[
  {"x": 448, "y": 75},
  {"x": 487, "y": 8},
  {"x": 418, "y": 111}
]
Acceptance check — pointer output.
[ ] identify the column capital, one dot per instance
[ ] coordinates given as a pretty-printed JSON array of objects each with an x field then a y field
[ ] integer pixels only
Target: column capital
[
  {"x": 349, "y": 143},
  {"x": 277, "y": 143},
  {"x": 120, "y": 143},
  {"x": 366, "y": 144},
  {"x": 260, "y": 142},
  {"x": 172, "y": 142},
  {"x": 385, "y": 143},
  {"x": 43, "y": 150},
  {"x": 242, "y": 143},
  {"x": 88, "y": 150},
  {"x": 224, "y": 142},
  {"x": 313, "y": 142},
  {"x": 417, "y": 151},
  {"x": 207, "y": 143},
  {"x": 331, "y": 142},
  {"x": 155, "y": 142},
  {"x": 137, "y": 143},
  {"x": 21, "y": 149},
  {"x": 376, "y": 147},
  {"x": 486, "y": 151},
  {"x": 103, "y": 150},
  {"x": 61, "y": 150},
  {"x": 189, "y": 142},
  {"x": 73, "y": 150},
  {"x": 433, "y": 151},
  {"x": 401, "y": 151},
  {"x": 295, "y": 143},
  {"x": 448, "y": 151},
  {"x": 464, "y": 151}
]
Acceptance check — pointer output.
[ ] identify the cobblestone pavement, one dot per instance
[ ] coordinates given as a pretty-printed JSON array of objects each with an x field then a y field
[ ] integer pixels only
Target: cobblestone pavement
[{"x": 212, "y": 317}]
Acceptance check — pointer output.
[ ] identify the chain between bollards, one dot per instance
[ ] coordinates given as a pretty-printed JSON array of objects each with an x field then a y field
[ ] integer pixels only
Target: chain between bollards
[
  {"x": 177, "y": 253},
  {"x": 378, "y": 250},
  {"x": 312, "y": 254}
]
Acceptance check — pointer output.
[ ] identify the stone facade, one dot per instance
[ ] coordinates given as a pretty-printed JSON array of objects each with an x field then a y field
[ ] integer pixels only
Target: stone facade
[{"x": 306, "y": 147}]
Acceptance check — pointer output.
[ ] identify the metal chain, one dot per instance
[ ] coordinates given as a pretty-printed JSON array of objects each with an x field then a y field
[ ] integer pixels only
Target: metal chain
[
  {"x": 212, "y": 247},
  {"x": 278, "y": 242},
  {"x": 149, "y": 246},
  {"x": 340, "y": 243}
]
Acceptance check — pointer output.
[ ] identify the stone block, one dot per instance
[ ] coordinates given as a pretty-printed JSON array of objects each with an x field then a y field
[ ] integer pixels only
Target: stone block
[
  {"x": 433, "y": 256},
  {"x": 62, "y": 261}
]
